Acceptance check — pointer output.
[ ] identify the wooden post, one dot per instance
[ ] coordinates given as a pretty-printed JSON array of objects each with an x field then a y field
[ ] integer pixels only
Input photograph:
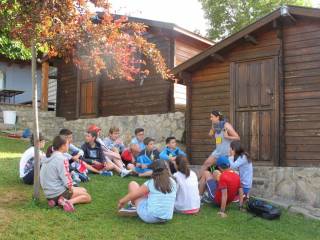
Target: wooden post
[
  {"x": 44, "y": 86},
  {"x": 36, "y": 193}
]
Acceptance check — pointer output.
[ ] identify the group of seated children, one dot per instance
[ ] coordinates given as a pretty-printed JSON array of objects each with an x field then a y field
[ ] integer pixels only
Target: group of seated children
[{"x": 172, "y": 186}]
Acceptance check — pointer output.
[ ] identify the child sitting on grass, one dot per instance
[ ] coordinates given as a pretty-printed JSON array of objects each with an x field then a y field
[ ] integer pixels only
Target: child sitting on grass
[
  {"x": 113, "y": 159},
  {"x": 27, "y": 160},
  {"x": 56, "y": 180},
  {"x": 223, "y": 186},
  {"x": 113, "y": 141},
  {"x": 146, "y": 158},
  {"x": 170, "y": 152},
  {"x": 129, "y": 156},
  {"x": 154, "y": 200},
  {"x": 139, "y": 137},
  {"x": 240, "y": 161},
  {"x": 93, "y": 155},
  {"x": 188, "y": 199}
]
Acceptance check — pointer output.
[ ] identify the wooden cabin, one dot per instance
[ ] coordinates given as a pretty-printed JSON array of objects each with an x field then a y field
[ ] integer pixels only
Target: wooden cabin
[
  {"x": 81, "y": 96},
  {"x": 266, "y": 80}
]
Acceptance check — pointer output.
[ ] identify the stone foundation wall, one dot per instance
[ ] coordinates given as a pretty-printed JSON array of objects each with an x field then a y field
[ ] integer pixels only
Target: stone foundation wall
[
  {"x": 157, "y": 126},
  {"x": 288, "y": 184}
]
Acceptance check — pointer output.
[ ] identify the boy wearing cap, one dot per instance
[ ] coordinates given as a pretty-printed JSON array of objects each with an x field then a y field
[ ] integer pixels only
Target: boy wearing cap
[
  {"x": 222, "y": 186},
  {"x": 113, "y": 159}
]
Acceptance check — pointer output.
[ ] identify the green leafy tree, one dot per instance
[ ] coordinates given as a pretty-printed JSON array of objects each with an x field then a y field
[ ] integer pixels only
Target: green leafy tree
[{"x": 228, "y": 17}]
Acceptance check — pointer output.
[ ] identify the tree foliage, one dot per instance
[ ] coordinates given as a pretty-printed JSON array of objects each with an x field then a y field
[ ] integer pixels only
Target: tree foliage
[
  {"x": 65, "y": 29},
  {"x": 228, "y": 17}
]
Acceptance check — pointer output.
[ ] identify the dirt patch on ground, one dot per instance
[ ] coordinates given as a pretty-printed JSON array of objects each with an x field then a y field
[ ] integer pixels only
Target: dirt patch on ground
[
  {"x": 11, "y": 197},
  {"x": 5, "y": 218}
]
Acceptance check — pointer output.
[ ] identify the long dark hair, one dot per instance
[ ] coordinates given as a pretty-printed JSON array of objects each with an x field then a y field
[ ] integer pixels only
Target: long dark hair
[
  {"x": 237, "y": 147},
  {"x": 161, "y": 176},
  {"x": 183, "y": 165},
  {"x": 218, "y": 114}
]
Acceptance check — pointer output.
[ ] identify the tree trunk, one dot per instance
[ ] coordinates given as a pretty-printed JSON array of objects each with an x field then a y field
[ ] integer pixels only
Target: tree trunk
[{"x": 36, "y": 193}]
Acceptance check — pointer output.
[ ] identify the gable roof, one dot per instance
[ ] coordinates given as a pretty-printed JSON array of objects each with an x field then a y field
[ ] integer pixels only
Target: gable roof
[
  {"x": 280, "y": 12},
  {"x": 168, "y": 26}
]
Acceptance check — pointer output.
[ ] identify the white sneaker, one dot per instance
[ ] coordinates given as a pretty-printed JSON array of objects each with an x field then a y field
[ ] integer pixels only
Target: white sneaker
[{"x": 125, "y": 172}]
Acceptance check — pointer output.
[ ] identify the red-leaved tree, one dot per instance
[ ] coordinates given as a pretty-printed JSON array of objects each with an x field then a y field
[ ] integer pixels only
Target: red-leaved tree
[{"x": 71, "y": 30}]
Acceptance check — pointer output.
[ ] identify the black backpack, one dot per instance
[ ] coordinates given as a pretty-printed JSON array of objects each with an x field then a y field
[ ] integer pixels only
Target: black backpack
[{"x": 263, "y": 209}]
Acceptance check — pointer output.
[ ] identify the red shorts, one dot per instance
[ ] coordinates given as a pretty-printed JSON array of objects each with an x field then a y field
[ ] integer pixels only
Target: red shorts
[{"x": 99, "y": 167}]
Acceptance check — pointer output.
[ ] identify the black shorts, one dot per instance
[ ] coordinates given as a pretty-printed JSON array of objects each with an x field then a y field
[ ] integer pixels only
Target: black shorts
[{"x": 66, "y": 194}]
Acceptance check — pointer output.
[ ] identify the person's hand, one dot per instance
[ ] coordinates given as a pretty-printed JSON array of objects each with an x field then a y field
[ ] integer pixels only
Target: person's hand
[
  {"x": 222, "y": 214},
  {"x": 121, "y": 203},
  {"x": 144, "y": 166}
]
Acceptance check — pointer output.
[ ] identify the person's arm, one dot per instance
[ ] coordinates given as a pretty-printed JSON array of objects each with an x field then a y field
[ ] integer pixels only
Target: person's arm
[
  {"x": 180, "y": 152},
  {"x": 223, "y": 205},
  {"x": 239, "y": 162},
  {"x": 75, "y": 150},
  {"x": 230, "y": 133},
  {"x": 132, "y": 196},
  {"x": 64, "y": 175},
  {"x": 163, "y": 155}
]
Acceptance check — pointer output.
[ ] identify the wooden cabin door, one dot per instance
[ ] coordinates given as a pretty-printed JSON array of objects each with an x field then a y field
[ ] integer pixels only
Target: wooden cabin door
[
  {"x": 88, "y": 95},
  {"x": 254, "y": 105}
]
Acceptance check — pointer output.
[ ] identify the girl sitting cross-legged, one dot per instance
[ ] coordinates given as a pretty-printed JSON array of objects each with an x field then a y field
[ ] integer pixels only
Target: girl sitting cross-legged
[{"x": 154, "y": 200}]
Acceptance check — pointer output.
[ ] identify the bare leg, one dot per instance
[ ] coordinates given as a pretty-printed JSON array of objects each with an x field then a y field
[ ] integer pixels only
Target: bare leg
[
  {"x": 80, "y": 195},
  {"x": 211, "y": 160},
  {"x": 203, "y": 181},
  {"x": 133, "y": 187},
  {"x": 111, "y": 166},
  {"x": 118, "y": 163},
  {"x": 146, "y": 174}
]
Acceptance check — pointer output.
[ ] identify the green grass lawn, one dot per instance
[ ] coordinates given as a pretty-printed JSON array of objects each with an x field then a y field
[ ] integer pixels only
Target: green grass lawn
[{"x": 20, "y": 218}]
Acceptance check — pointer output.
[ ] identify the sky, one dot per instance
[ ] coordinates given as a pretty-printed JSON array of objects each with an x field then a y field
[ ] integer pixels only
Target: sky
[{"x": 185, "y": 13}]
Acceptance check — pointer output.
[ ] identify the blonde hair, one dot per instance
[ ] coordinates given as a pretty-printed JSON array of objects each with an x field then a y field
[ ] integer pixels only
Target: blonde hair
[{"x": 114, "y": 129}]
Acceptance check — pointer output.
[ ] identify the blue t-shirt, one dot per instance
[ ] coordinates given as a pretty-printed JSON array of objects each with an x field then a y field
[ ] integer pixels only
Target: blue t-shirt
[
  {"x": 141, "y": 144},
  {"x": 161, "y": 205},
  {"x": 166, "y": 152}
]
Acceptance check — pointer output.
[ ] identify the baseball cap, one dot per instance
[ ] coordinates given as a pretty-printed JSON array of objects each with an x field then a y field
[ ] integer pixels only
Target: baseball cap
[
  {"x": 93, "y": 128},
  {"x": 223, "y": 162}
]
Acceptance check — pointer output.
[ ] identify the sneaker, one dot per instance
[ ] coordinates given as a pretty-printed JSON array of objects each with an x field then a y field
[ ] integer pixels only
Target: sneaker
[
  {"x": 131, "y": 206},
  {"x": 125, "y": 172},
  {"x": 129, "y": 210},
  {"x": 52, "y": 203},
  {"x": 106, "y": 173},
  {"x": 66, "y": 205},
  {"x": 206, "y": 199}
]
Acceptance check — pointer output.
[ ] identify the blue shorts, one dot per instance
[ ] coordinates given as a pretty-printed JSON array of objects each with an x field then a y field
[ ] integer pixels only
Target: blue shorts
[
  {"x": 212, "y": 186},
  {"x": 246, "y": 190},
  {"x": 142, "y": 211},
  {"x": 142, "y": 170}
]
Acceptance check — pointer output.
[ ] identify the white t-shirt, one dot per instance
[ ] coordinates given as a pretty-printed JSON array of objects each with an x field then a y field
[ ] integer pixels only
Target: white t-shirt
[
  {"x": 187, "y": 192},
  {"x": 26, "y": 159}
]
